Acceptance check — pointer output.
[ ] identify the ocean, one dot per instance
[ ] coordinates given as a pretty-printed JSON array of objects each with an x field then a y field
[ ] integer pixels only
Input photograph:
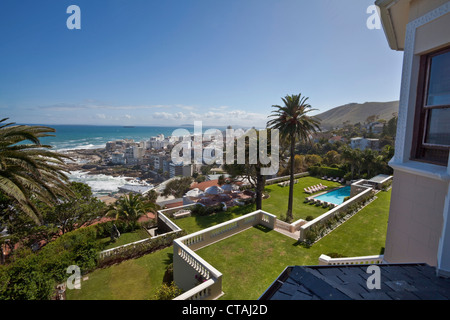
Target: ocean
[{"x": 73, "y": 137}]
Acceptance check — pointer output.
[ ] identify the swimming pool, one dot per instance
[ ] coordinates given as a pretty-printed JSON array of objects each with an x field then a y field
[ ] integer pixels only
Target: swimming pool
[{"x": 336, "y": 196}]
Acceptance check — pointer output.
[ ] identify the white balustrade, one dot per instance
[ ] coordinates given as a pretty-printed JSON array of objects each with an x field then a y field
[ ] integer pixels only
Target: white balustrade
[
  {"x": 187, "y": 263},
  {"x": 326, "y": 260}
]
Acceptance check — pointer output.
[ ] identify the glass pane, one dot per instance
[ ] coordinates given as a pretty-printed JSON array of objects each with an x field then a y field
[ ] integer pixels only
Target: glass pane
[
  {"x": 438, "y": 127},
  {"x": 439, "y": 83}
]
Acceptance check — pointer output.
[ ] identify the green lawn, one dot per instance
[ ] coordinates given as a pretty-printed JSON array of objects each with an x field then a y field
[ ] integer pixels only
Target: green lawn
[
  {"x": 124, "y": 239},
  {"x": 278, "y": 199},
  {"x": 275, "y": 204},
  {"x": 135, "y": 279},
  {"x": 196, "y": 223},
  {"x": 250, "y": 261}
]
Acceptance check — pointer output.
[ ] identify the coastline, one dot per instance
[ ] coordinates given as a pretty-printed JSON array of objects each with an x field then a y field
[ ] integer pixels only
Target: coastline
[
  {"x": 91, "y": 166},
  {"x": 93, "y": 162}
]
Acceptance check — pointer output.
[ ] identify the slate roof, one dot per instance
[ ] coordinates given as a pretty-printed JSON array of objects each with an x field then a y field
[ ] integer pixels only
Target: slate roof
[{"x": 349, "y": 282}]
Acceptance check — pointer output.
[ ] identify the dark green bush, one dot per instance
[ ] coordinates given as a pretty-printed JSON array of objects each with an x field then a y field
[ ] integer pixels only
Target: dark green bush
[
  {"x": 326, "y": 171},
  {"x": 32, "y": 276}
]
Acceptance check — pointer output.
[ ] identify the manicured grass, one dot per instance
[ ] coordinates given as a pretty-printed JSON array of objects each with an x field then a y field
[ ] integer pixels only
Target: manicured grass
[
  {"x": 277, "y": 202},
  {"x": 135, "y": 279},
  {"x": 124, "y": 239},
  {"x": 250, "y": 261},
  {"x": 196, "y": 223}
]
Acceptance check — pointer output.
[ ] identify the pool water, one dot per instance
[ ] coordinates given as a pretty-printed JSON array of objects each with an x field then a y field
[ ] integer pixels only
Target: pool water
[{"x": 336, "y": 196}]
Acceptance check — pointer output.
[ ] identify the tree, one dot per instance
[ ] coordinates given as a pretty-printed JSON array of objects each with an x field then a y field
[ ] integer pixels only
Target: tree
[
  {"x": 177, "y": 187},
  {"x": 293, "y": 122},
  {"x": 221, "y": 181},
  {"x": 332, "y": 157},
  {"x": 368, "y": 159},
  {"x": 251, "y": 172},
  {"x": 151, "y": 196},
  {"x": 29, "y": 170},
  {"x": 352, "y": 157},
  {"x": 129, "y": 208},
  {"x": 312, "y": 160},
  {"x": 76, "y": 210}
]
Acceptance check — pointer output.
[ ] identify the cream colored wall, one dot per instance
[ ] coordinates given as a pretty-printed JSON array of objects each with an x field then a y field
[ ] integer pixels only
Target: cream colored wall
[
  {"x": 418, "y": 8},
  {"x": 415, "y": 219},
  {"x": 419, "y": 190},
  {"x": 433, "y": 36}
]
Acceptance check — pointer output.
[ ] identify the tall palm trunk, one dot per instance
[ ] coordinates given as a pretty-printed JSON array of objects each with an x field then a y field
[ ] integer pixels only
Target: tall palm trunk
[
  {"x": 289, "y": 216},
  {"x": 260, "y": 182}
]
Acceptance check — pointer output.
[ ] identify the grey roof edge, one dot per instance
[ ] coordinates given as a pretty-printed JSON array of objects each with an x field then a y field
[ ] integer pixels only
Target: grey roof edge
[
  {"x": 276, "y": 284},
  {"x": 314, "y": 270}
]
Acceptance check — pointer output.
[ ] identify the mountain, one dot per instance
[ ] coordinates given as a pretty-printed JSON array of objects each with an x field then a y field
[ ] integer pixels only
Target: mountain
[{"x": 357, "y": 112}]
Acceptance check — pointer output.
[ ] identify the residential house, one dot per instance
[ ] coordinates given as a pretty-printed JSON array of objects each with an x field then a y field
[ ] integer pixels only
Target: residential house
[
  {"x": 364, "y": 143},
  {"x": 416, "y": 260},
  {"x": 419, "y": 225}
]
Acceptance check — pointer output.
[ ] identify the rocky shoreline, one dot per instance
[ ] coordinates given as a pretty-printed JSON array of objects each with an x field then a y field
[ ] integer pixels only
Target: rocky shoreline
[{"x": 94, "y": 161}]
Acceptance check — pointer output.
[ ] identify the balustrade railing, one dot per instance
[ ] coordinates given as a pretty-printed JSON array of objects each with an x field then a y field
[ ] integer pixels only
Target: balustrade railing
[
  {"x": 326, "y": 260},
  {"x": 189, "y": 267}
]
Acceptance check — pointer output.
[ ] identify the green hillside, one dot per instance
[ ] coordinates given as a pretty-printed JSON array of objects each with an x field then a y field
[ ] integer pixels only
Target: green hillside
[{"x": 357, "y": 112}]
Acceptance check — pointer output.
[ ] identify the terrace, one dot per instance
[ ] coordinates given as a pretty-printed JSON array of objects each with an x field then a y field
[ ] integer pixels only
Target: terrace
[
  {"x": 242, "y": 245},
  {"x": 219, "y": 246}
]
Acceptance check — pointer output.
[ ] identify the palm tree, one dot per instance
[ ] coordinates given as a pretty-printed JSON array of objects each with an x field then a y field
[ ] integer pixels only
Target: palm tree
[
  {"x": 294, "y": 123},
  {"x": 129, "y": 207},
  {"x": 348, "y": 155},
  {"x": 29, "y": 171}
]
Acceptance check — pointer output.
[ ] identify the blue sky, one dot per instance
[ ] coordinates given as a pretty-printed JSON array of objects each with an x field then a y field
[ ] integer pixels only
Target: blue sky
[{"x": 146, "y": 62}]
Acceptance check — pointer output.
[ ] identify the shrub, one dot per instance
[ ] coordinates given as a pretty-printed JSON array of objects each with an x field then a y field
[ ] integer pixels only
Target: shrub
[
  {"x": 104, "y": 229},
  {"x": 167, "y": 292},
  {"x": 326, "y": 171},
  {"x": 34, "y": 275},
  {"x": 168, "y": 274},
  {"x": 309, "y": 218},
  {"x": 311, "y": 236},
  {"x": 198, "y": 210},
  {"x": 139, "y": 249}
]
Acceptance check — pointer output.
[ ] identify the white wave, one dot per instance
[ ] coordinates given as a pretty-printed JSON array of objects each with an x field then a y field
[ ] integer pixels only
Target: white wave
[
  {"x": 100, "y": 184},
  {"x": 81, "y": 147}
]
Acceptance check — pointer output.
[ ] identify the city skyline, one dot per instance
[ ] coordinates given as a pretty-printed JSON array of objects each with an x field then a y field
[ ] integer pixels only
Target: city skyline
[{"x": 148, "y": 63}]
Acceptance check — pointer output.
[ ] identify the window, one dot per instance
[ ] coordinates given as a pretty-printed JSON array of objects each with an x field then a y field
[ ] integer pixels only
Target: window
[{"x": 431, "y": 141}]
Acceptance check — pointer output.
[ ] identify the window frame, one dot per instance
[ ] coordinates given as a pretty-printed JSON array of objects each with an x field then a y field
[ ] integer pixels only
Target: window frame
[{"x": 423, "y": 112}]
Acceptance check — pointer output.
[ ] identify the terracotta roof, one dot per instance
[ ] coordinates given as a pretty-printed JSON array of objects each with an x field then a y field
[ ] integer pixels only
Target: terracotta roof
[
  {"x": 174, "y": 204},
  {"x": 205, "y": 184}
]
